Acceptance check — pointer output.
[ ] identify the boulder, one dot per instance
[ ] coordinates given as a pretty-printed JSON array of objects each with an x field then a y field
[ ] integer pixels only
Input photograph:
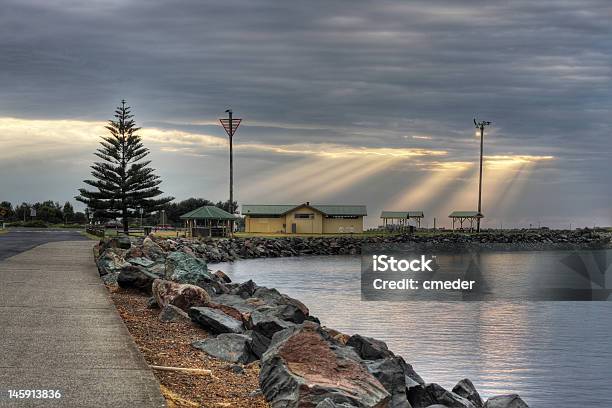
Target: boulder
[
  {"x": 152, "y": 302},
  {"x": 171, "y": 313},
  {"x": 232, "y": 347},
  {"x": 396, "y": 376},
  {"x": 259, "y": 343},
  {"x": 423, "y": 396},
  {"x": 134, "y": 252},
  {"x": 228, "y": 310},
  {"x": 215, "y": 321},
  {"x": 185, "y": 268},
  {"x": 111, "y": 261},
  {"x": 304, "y": 366},
  {"x": 122, "y": 241},
  {"x": 266, "y": 324},
  {"x": 140, "y": 261},
  {"x": 369, "y": 348},
  {"x": 152, "y": 250},
  {"x": 222, "y": 275},
  {"x": 506, "y": 401},
  {"x": 246, "y": 289},
  {"x": 136, "y": 277},
  {"x": 180, "y": 295},
  {"x": 466, "y": 389},
  {"x": 329, "y": 403},
  {"x": 288, "y": 313},
  {"x": 270, "y": 296}
]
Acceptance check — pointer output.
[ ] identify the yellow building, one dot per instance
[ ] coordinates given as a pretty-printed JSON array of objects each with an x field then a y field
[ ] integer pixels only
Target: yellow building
[{"x": 304, "y": 218}]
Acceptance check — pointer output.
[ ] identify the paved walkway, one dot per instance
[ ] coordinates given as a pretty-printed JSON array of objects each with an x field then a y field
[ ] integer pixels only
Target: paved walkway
[{"x": 59, "y": 330}]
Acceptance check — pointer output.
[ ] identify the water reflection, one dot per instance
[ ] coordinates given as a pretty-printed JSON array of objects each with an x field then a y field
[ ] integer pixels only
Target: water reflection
[{"x": 551, "y": 353}]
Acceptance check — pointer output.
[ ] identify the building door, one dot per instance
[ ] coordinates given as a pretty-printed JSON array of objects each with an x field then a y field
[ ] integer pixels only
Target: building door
[{"x": 294, "y": 228}]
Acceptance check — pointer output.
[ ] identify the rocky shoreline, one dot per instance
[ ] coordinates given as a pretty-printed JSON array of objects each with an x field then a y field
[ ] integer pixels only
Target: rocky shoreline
[
  {"x": 225, "y": 250},
  {"x": 302, "y": 362}
]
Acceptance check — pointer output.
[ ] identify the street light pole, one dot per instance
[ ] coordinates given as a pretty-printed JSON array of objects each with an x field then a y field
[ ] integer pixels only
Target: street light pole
[{"x": 480, "y": 125}]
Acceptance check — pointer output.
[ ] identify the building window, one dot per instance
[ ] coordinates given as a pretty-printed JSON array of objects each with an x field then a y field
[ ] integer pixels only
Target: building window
[{"x": 304, "y": 216}]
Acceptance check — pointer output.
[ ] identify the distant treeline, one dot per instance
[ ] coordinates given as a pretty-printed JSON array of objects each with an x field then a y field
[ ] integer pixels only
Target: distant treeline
[
  {"x": 54, "y": 213},
  {"x": 47, "y": 211}
]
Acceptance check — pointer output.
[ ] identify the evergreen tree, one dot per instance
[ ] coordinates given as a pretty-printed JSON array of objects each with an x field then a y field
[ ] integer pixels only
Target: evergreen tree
[
  {"x": 123, "y": 181},
  {"x": 68, "y": 212}
]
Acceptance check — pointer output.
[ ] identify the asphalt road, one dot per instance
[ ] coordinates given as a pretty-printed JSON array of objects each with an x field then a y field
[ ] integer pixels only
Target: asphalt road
[{"x": 19, "y": 240}]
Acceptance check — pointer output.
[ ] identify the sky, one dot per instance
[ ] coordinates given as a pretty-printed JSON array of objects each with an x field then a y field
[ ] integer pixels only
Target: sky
[{"x": 343, "y": 102}]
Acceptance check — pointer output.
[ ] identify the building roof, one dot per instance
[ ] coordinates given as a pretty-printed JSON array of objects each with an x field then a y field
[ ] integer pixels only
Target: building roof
[
  {"x": 402, "y": 214},
  {"x": 265, "y": 209},
  {"x": 208, "y": 212},
  {"x": 333, "y": 210},
  {"x": 466, "y": 214}
]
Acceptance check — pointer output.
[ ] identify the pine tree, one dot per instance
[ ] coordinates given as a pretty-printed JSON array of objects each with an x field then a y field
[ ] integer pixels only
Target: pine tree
[
  {"x": 122, "y": 179},
  {"x": 68, "y": 212}
]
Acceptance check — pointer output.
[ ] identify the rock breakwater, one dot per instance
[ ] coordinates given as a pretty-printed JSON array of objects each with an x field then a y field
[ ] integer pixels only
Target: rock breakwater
[
  {"x": 303, "y": 363},
  {"x": 224, "y": 250}
]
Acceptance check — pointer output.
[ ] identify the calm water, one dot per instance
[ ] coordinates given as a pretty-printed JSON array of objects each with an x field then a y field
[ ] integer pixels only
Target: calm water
[{"x": 554, "y": 354}]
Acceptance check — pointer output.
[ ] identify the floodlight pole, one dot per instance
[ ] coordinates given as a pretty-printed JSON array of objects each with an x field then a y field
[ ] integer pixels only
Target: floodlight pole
[
  {"x": 480, "y": 125},
  {"x": 231, "y": 163},
  {"x": 230, "y": 125}
]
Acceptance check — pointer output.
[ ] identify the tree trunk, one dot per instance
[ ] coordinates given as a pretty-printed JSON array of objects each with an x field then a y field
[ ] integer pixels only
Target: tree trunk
[{"x": 124, "y": 213}]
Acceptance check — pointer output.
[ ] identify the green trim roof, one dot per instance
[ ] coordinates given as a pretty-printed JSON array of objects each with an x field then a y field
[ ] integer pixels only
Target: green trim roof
[
  {"x": 402, "y": 214},
  {"x": 332, "y": 210},
  {"x": 465, "y": 214},
  {"x": 208, "y": 212},
  {"x": 265, "y": 209}
]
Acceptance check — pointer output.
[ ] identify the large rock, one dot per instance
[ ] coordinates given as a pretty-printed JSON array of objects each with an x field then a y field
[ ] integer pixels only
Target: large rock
[
  {"x": 246, "y": 289},
  {"x": 369, "y": 348},
  {"x": 111, "y": 261},
  {"x": 329, "y": 403},
  {"x": 396, "y": 376},
  {"x": 171, "y": 313},
  {"x": 466, "y": 389},
  {"x": 431, "y": 394},
  {"x": 141, "y": 261},
  {"x": 259, "y": 343},
  {"x": 180, "y": 295},
  {"x": 266, "y": 324},
  {"x": 232, "y": 347},
  {"x": 304, "y": 366},
  {"x": 185, "y": 268},
  {"x": 506, "y": 401},
  {"x": 136, "y": 277},
  {"x": 152, "y": 250},
  {"x": 215, "y": 321},
  {"x": 223, "y": 276}
]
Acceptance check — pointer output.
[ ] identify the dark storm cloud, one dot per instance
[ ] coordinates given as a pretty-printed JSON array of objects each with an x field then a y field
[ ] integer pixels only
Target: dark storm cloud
[{"x": 538, "y": 69}]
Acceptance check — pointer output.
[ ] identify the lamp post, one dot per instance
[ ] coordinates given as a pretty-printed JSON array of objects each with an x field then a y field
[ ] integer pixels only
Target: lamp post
[
  {"x": 231, "y": 125},
  {"x": 480, "y": 125}
]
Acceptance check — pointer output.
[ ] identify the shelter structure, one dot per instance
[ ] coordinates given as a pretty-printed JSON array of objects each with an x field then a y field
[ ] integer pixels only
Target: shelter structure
[
  {"x": 303, "y": 218},
  {"x": 209, "y": 221},
  {"x": 465, "y": 216},
  {"x": 400, "y": 219}
]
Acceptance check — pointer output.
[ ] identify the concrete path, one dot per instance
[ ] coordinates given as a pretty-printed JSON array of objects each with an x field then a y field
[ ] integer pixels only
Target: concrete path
[{"x": 59, "y": 330}]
